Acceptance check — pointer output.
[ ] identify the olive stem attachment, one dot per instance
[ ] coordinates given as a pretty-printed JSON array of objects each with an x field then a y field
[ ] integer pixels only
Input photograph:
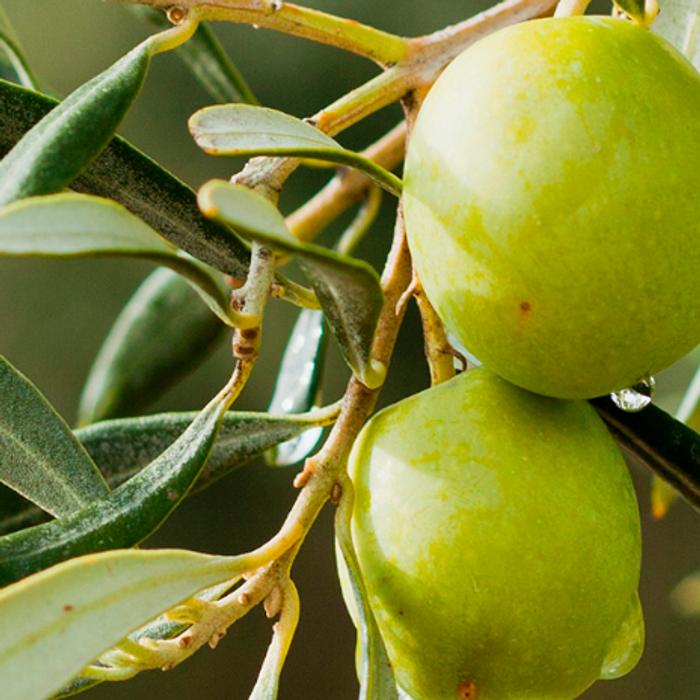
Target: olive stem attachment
[
  {"x": 438, "y": 351},
  {"x": 571, "y": 8}
]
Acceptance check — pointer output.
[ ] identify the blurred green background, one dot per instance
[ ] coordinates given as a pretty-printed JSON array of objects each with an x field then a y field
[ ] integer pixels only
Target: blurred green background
[{"x": 53, "y": 317}]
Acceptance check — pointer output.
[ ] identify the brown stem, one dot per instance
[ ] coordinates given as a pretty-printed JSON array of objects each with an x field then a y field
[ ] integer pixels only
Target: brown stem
[
  {"x": 346, "y": 188},
  {"x": 359, "y": 400},
  {"x": 427, "y": 58},
  {"x": 438, "y": 350},
  {"x": 349, "y": 35}
]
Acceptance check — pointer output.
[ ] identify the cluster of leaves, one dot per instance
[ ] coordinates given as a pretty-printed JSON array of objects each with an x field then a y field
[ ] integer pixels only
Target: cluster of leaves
[{"x": 69, "y": 188}]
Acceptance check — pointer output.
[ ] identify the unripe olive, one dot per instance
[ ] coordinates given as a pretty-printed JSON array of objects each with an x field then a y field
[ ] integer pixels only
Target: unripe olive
[
  {"x": 498, "y": 535},
  {"x": 551, "y": 203}
]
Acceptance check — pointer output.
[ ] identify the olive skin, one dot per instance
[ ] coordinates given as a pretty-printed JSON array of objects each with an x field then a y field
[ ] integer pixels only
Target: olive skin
[
  {"x": 551, "y": 203},
  {"x": 498, "y": 536}
]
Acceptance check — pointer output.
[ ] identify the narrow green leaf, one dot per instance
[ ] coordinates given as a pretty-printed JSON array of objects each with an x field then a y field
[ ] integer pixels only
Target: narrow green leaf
[
  {"x": 667, "y": 446},
  {"x": 206, "y": 59},
  {"x": 123, "y": 447},
  {"x": 77, "y": 225},
  {"x": 298, "y": 385},
  {"x": 679, "y": 23},
  {"x": 10, "y": 47},
  {"x": 234, "y": 130},
  {"x": 124, "y": 517},
  {"x": 126, "y": 175},
  {"x": 161, "y": 334},
  {"x": 62, "y": 144},
  {"x": 39, "y": 455},
  {"x": 160, "y": 628},
  {"x": 58, "y": 621},
  {"x": 243, "y": 129},
  {"x": 373, "y": 667},
  {"x": 348, "y": 289},
  {"x": 6, "y": 26}
]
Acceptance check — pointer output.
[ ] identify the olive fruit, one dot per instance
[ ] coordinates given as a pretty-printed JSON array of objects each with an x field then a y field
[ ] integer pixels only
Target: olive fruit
[
  {"x": 498, "y": 535},
  {"x": 551, "y": 203}
]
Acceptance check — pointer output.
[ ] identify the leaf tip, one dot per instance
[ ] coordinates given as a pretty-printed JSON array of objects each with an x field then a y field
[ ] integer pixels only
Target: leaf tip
[{"x": 206, "y": 198}]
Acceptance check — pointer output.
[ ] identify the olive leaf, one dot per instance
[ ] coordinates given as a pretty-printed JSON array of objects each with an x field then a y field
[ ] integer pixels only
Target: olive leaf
[
  {"x": 51, "y": 154},
  {"x": 373, "y": 667},
  {"x": 59, "y": 620},
  {"x": 206, "y": 59},
  {"x": 77, "y": 225},
  {"x": 161, "y": 628},
  {"x": 39, "y": 455},
  {"x": 667, "y": 446},
  {"x": 12, "y": 52},
  {"x": 348, "y": 289},
  {"x": 161, "y": 334},
  {"x": 123, "y": 447},
  {"x": 126, "y": 175},
  {"x": 298, "y": 385},
  {"x": 57, "y": 148},
  {"x": 124, "y": 517},
  {"x": 228, "y": 130},
  {"x": 679, "y": 23}
]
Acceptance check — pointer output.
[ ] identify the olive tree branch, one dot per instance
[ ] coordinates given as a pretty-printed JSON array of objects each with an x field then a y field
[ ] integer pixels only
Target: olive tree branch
[
  {"x": 360, "y": 225},
  {"x": 346, "y": 188},
  {"x": 324, "y": 476},
  {"x": 248, "y": 307},
  {"x": 382, "y": 47},
  {"x": 431, "y": 53},
  {"x": 426, "y": 59},
  {"x": 206, "y": 621},
  {"x": 322, "y": 470}
]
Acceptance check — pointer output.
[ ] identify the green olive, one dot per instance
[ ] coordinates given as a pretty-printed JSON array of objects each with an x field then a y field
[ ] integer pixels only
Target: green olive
[
  {"x": 498, "y": 535},
  {"x": 551, "y": 203}
]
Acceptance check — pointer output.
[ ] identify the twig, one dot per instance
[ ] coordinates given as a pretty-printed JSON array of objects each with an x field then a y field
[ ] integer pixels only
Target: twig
[
  {"x": 426, "y": 59},
  {"x": 571, "y": 8},
  {"x": 381, "y": 47},
  {"x": 438, "y": 351},
  {"x": 346, "y": 188}
]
